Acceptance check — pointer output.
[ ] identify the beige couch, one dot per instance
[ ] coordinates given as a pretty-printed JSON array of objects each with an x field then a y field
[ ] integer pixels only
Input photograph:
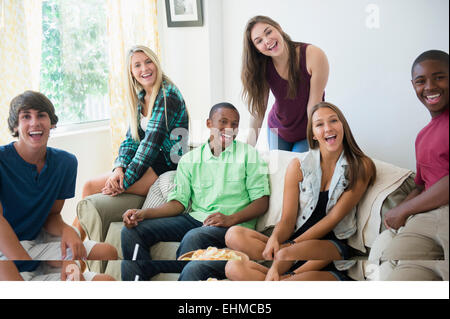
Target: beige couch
[{"x": 100, "y": 215}]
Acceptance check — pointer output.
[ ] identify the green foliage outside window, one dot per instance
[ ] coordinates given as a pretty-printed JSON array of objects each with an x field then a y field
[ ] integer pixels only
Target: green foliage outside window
[{"x": 74, "y": 64}]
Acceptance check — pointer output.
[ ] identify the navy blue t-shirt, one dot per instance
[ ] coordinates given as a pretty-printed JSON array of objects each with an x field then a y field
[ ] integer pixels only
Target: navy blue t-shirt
[{"x": 28, "y": 196}]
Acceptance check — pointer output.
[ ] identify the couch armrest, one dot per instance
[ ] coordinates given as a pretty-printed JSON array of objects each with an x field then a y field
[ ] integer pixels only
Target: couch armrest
[{"x": 96, "y": 212}]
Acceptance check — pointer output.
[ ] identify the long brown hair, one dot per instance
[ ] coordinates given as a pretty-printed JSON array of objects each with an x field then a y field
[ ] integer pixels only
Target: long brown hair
[
  {"x": 253, "y": 73},
  {"x": 360, "y": 165}
]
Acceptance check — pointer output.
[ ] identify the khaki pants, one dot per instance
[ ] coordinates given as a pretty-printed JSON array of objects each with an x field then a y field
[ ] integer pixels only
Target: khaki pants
[
  {"x": 418, "y": 270},
  {"x": 424, "y": 237},
  {"x": 419, "y": 250}
]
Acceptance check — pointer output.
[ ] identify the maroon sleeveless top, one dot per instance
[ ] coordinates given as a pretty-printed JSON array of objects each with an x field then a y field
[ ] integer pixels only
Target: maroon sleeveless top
[{"x": 289, "y": 116}]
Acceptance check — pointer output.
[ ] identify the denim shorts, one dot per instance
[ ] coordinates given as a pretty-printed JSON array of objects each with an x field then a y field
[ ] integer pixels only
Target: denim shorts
[
  {"x": 343, "y": 249},
  {"x": 159, "y": 166},
  {"x": 340, "y": 275}
]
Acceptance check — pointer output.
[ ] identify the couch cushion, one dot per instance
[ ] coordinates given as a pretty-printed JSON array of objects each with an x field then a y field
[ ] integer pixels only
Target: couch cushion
[
  {"x": 113, "y": 269},
  {"x": 164, "y": 250},
  {"x": 160, "y": 251},
  {"x": 278, "y": 162},
  {"x": 166, "y": 277},
  {"x": 368, "y": 215}
]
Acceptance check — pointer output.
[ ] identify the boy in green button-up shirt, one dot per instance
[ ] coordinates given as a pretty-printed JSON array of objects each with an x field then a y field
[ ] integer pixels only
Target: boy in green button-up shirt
[{"x": 227, "y": 183}]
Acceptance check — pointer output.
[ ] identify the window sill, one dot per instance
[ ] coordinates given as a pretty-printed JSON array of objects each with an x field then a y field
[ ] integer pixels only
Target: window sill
[{"x": 71, "y": 129}]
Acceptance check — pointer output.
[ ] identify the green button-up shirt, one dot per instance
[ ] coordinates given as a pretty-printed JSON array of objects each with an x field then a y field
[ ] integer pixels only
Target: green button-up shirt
[{"x": 226, "y": 184}]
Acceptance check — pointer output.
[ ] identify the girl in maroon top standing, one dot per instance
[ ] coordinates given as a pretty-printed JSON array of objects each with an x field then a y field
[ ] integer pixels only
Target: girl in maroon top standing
[{"x": 296, "y": 73}]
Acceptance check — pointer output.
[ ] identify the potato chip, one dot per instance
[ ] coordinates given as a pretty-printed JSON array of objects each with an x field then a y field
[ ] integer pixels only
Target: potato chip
[{"x": 213, "y": 253}]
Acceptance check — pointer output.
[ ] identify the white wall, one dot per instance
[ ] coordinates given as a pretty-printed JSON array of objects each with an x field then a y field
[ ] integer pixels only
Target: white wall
[
  {"x": 192, "y": 57},
  {"x": 369, "y": 68},
  {"x": 93, "y": 149}
]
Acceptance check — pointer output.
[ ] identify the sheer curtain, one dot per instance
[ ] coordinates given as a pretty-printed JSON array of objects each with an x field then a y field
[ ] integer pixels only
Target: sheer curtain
[
  {"x": 20, "y": 54},
  {"x": 129, "y": 23}
]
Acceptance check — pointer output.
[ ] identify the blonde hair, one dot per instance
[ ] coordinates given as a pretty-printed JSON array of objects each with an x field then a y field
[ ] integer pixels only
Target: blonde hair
[{"x": 133, "y": 88}]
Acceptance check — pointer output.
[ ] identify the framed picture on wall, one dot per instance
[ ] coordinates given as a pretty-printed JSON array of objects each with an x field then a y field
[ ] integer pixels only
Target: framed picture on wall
[{"x": 184, "y": 13}]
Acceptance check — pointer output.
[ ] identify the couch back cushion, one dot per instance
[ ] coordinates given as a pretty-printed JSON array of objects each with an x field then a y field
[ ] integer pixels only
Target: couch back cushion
[
  {"x": 369, "y": 210},
  {"x": 278, "y": 162}
]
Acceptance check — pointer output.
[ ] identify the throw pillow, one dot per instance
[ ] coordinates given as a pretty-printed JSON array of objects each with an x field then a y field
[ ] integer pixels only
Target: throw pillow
[
  {"x": 157, "y": 194},
  {"x": 159, "y": 191}
]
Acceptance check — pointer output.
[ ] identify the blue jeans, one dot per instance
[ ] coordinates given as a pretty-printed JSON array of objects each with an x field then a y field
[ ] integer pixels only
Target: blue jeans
[
  {"x": 202, "y": 270},
  {"x": 277, "y": 143},
  {"x": 191, "y": 234}
]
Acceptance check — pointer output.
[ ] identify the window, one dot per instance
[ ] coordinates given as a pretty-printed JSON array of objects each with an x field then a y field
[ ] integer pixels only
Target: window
[{"x": 74, "y": 62}]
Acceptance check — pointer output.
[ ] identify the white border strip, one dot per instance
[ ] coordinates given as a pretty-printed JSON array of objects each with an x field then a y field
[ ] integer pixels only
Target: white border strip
[{"x": 224, "y": 290}]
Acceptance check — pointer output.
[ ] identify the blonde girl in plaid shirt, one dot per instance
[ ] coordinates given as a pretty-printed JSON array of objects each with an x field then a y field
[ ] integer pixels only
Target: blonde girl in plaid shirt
[{"x": 147, "y": 151}]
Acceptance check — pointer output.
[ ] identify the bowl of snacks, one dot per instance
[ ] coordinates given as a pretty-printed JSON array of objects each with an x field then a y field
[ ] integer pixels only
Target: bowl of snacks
[{"x": 213, "y": 253}]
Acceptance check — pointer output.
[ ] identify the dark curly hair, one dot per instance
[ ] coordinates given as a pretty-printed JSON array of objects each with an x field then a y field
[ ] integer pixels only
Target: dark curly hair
[{"x": 436, "y": 55}]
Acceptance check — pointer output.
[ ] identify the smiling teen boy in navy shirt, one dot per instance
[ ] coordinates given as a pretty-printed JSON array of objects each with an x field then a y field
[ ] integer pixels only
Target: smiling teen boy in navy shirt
[{"x": 35, "y": 180}]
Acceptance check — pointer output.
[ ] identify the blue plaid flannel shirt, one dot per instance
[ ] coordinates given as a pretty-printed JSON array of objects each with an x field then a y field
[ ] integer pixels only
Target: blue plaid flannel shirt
[{"x": 136, "y": 157}]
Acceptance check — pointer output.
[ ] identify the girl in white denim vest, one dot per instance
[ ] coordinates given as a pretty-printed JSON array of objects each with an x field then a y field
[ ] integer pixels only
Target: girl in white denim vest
[{"x": 319, "y": 200}]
